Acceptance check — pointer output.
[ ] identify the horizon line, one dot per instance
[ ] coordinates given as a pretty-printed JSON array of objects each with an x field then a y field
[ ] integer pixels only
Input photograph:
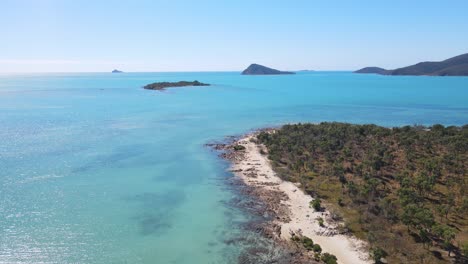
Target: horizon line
[{"x": 123, "y": 72}]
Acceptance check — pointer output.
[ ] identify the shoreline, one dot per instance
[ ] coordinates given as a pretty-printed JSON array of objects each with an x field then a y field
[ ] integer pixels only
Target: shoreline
[{"x": 288, "y": 206}]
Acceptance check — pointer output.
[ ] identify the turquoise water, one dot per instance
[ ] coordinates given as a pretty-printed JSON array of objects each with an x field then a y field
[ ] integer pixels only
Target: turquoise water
[{"x": 94, "y": 169}]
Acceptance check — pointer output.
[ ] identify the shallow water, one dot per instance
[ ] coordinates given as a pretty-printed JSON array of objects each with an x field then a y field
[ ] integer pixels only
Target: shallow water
[{"x": 95, "y": 169}]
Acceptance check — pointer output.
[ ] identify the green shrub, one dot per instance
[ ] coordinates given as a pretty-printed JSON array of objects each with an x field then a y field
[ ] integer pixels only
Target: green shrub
[
  {"x": 464, "y": 249},
  {"x": 329, "y": 258},
  {"x": 316, "y": 204},
  {"x": 378, "y": 254},
  {"x": 317, "y": 248},
  {"x": 239, "y": 147},
  {"x": 320, "y": 221},
  {"x": 307, "y": 243}
]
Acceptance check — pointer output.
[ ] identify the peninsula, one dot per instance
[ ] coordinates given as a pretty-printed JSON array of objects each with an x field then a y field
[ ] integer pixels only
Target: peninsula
[
  {"x": 456, "y": 66},
  {"x": 360, "y": 193},
  {"x": 256, "y": 69},
  {"x": 163, "y": 85},
  {"x": 293, "y": 224}
]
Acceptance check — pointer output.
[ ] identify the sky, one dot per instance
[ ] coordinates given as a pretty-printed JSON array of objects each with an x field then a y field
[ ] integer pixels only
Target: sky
[{"x": 209, "y": 35}]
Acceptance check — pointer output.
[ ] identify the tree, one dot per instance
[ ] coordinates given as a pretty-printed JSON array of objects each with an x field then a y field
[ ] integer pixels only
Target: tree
[
  {"x": 424, "y": 236},
  {"x": 317, "y": 204},
  {"x": 417, "y": 216},
  {"x": 307, "y": 243},
  {"x": 424, "y": 183},
  {"x": 317, "y": 248},
  {"x": 352, "y": 189},
  {"x": 389, "y": 208},
  {"x": 464, "y": 249},
  {"x": 447, "y": 234},
  {"x": 329, "y": 258},
  {"x": 443, "y": 210},
  {"x": 377, "y": 254},
  {"x": 450, "y": 202}
]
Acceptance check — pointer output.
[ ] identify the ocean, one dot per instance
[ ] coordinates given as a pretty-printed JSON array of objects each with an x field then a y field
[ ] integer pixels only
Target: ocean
[{"x": 95, "y": 169}]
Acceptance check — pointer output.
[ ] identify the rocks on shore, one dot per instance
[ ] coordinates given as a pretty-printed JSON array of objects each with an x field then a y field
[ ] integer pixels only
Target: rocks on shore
[{"x": 268, "y": 204}]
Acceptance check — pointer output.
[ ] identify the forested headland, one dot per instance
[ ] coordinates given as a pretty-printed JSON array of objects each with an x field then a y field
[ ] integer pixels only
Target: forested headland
[{"x": 402, "y": 189}]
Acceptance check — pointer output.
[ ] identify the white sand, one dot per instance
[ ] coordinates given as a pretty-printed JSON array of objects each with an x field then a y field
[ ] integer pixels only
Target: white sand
[{"x": 347, "y": 249}]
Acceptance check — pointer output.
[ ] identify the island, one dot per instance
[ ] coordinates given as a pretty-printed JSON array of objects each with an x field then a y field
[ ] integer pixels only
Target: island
[
  {"x": 375, "y": 70},
  {"x": 256, "y": 69},
  {"x": 163, "y": 85},
  {"x": 456, "y": 66},
  {"x": 346, "y": 189},
  {"x": 116, "y": 71}
]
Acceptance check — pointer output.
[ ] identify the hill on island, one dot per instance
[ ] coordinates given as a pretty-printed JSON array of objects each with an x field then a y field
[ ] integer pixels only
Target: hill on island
[
  {"x": 376, "y": 70},
  {"x": 256, "y": 69},
  {"x": 456, "y": 66}
]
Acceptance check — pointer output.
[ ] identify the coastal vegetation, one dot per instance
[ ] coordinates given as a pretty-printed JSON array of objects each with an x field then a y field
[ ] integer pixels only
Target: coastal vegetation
[
  {"x": 309, "y": 245},
  {"x": 402, "y": 189},
  {"x": 164, "y": 85}
]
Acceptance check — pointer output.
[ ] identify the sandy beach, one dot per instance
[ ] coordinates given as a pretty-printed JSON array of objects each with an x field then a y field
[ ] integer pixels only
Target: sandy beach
[{"x": 294, "y": 215}]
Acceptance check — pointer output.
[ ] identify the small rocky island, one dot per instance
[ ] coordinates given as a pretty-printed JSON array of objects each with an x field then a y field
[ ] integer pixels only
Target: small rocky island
[
  {"x": 116, "y": 71},
  {"x": 256, "y": 69},
  {"x": 375, "y": 70},
  {"x": 163, "y": 85},
  {"x": 456, "y": 66}
]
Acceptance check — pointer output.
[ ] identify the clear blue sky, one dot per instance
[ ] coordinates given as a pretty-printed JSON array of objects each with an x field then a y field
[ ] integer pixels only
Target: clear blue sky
[{"x": 203, "y": 35}]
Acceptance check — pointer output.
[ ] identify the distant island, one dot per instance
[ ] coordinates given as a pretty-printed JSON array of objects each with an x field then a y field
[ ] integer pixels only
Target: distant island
[
  {"x": 375, "y": 70},
  {"x": 456, "y": 66},
  {"x": 164, "y": 85},
  {"x": 116, "y": 71},
  {"x": 256, "y": 69}
]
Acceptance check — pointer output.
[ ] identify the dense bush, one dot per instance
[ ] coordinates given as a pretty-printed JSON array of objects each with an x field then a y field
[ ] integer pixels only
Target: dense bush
[
  {"x": 316, "y": 204},
  {"x": 329, "y": 258},
  {"x": 399, "y": 188},
  {"x": 307, "y": 243}
]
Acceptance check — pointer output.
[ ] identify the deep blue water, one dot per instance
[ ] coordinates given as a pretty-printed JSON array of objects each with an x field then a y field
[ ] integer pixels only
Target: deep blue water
[{"x": 95, "y": 169}]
